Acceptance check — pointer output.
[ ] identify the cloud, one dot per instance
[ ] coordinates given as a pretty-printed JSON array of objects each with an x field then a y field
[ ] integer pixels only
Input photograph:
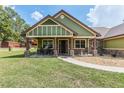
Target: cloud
[
  {"x": 13, "y": 7},
  {"x": 36, "y": 15},
  {"x": 107, "y": 16}
]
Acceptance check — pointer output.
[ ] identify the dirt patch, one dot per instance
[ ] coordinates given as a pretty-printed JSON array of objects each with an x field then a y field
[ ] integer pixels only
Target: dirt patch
[{"x": 107, "y": 61}]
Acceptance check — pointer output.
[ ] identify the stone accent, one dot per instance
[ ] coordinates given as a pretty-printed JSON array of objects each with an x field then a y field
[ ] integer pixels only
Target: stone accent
[
  {"x": 82, "y": 52},
  {"x": 94, "y": 52},
  {"x": 119, "y": 53},
  {"x": 72, "y": 52},
  {"x": 55, "y": 52}
]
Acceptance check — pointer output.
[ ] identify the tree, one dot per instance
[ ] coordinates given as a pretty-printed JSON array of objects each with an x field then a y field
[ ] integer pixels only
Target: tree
[
  {"x": 11, "y": 25},
  {"x": 5, "y": 26}
]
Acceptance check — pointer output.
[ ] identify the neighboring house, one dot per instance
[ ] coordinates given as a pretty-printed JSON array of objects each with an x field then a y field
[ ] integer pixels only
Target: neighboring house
[
  {"x": 62, "y": 34},
  {"x": 112, "y": 39},
  {"x": 7, "y": 44}
]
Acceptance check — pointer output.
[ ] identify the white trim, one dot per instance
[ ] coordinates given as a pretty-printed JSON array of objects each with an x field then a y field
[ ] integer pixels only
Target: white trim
[
  {"x": 88, "y": 45},
  {"x": 37, "y": 31},
  {"x": 55, "y": 43},
  {"x": 52, "y": 36},
  {"x": 114, "y": 48},
  {"x": 84, "y": 36},
  {"x": 49, "y": 25},
  {"x": 116, "y": 37}
]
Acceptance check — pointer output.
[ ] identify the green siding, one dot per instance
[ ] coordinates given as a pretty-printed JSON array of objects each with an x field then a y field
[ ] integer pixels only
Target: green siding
[
  {"x": 44, "y": 31},
  {"x": 58, "y": 31},
  {"x": 30, "y": 33},
  {"x": 69, "y": 23},
  {"x": 48, "y": 30},
  {"x": 53, "y": 30},
  {"x": 49, "y": 22},
  {"x": 35, "y": 31},
  {"x": 114, "y": 43},
  {"x": 39, "y": 31}
]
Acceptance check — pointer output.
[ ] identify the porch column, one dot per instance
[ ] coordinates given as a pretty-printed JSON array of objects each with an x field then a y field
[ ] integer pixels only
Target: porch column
[
  {"x": 94, "y": 49},
  {"x": 71, "y": 48},
  {"x": 55, "y": 47},
  {"x": 88, "y": 46},
  {"x": 27, "y": 51}
]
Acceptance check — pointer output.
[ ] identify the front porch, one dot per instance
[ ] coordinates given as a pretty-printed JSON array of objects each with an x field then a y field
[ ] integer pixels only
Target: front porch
[{"x": 64, "y": 46}]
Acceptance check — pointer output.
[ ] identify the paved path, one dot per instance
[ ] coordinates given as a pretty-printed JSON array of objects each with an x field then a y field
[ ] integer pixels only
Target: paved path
[{"x": 95, "y": 66}]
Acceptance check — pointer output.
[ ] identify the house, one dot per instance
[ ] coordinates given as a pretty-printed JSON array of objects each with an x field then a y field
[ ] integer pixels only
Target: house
[
  {"x": 62, "y": 34},
  {"x": 112, "y": 39},
  {"x": 7, "y": 44}
]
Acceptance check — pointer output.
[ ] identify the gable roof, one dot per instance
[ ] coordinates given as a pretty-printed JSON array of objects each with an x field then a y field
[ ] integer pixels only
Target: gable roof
[
  {"x": 45, "y": 18},
  {"x": 110, "y": 32},
  {"x": 102, "y": 30},
  {"x": 82, "y": 24},
  {"x": 115, "y": 31},
  {"x": 69, "y": 28}
]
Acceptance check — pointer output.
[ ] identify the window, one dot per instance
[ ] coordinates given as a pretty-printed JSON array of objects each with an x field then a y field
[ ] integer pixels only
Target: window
[
  {"x": 79, "y": 43},
  {"x": 47, "y": 44}
]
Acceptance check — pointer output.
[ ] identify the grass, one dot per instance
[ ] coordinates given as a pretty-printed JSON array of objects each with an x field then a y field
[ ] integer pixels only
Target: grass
[{"x": 51, "y": 72}]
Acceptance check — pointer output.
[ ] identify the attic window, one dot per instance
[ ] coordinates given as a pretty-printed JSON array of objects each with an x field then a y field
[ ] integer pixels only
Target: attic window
[{"x": 62, "y": 16}]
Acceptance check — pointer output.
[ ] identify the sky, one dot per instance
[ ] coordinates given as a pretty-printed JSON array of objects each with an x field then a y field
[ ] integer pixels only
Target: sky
[{"x": 91, "y": 15}]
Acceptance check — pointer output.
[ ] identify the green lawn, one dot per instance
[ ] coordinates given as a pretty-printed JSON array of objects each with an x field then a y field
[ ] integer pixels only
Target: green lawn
[{"x": 16, "y": 71}]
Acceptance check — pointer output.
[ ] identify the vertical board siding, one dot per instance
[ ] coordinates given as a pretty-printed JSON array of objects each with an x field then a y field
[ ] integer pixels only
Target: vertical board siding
[{"x": 46, "y": 30}]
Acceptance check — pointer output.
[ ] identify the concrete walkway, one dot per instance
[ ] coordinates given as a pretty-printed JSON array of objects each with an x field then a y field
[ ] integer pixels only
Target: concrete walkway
[{"x": 95, "y": 66}]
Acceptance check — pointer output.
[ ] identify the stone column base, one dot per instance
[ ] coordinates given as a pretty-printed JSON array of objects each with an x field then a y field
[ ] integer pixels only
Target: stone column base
[
  {"x": 55, "y": 53},
  {"x": 82, "y": 53},
  {"x": 72, "y": 52},
  {"x": 94, "y": 52}
]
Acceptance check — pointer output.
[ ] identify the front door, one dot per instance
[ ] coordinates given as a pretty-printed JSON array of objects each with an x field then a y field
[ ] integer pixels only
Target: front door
[{"x": 63, "y": 47}]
